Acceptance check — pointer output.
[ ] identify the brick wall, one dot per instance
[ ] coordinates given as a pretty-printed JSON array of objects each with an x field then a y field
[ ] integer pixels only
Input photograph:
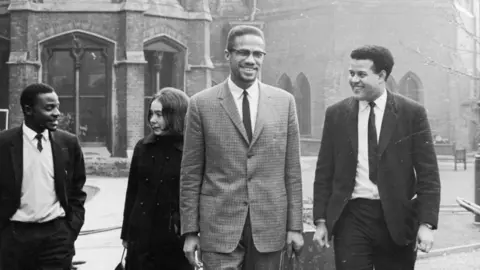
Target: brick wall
[
  {"x": 4, "y": 74},
  {"x": 316, "y": 38},
  {"x": 129, "y": 30}
]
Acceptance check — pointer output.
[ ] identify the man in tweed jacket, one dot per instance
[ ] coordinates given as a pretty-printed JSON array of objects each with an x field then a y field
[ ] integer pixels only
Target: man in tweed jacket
[{"x": 240, "y": 185}]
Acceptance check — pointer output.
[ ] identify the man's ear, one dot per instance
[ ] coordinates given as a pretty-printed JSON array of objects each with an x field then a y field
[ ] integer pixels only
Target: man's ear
[
  {"x": 227, "y": 55},
  {"x": 383, "y": 75},
  {"x": 27, "y": 110}
]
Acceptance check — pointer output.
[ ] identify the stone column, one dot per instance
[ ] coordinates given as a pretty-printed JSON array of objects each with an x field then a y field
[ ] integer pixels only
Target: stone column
[
  {"x": 23, "y": 64},
  {"x": 130, "y": 80},
  {"x": 200, "y": 65}
]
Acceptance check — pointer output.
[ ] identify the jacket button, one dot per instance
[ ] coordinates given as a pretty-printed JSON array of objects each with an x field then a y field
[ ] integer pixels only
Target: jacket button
[
  {"x": 245, "y": 203},
  {"x": 249, "y": 155},
  {"x": 167, "y": 158},
  {"x": 141, "y": 203},
  {"x": 146, "y": 179}
]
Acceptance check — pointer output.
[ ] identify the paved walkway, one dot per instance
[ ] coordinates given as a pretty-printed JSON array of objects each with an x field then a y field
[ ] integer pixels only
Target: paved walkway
[
  {"x": 460, "y": 261},
  {"x": 102, "y": 251}
]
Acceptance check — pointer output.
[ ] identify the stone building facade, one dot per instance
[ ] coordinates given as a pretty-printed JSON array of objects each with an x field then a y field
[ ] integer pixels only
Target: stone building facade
[{"x": 107, "y": 57}]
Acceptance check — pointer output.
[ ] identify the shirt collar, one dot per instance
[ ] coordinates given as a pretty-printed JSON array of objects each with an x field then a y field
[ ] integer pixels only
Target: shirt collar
[
  {"x": 237, "y": 92},
  {"x": 30, "y": 134},
  {"x": 380, "y": 102}
]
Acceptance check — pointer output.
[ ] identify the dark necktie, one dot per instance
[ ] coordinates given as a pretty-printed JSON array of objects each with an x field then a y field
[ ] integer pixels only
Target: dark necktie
[
  {"x": 39, "y": 137},
  {"x": 247, "y": 122},
  {"x": 372, "y": 144}
]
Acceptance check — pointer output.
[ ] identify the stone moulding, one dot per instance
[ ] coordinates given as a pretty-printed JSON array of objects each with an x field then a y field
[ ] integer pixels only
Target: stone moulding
[
  {"x": 132, "y": 57},
  {"x": 21, "y": 58},
  {"x": 148, "y": 9}
]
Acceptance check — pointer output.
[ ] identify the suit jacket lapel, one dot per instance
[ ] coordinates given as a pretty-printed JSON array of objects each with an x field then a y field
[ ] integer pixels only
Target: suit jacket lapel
[
  {"x": 352, "y": 124},
  {"x": 58, "y": 169},
  {"x": 16, "y": 151},
  {"x": 262, "y": 113},
  {"x": 228, "y": 104},
  {"x": 389, "y": 123}
]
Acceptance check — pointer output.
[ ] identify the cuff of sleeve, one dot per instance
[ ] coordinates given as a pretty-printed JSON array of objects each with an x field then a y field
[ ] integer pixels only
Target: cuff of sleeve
[{"x": 318, "y": 221}]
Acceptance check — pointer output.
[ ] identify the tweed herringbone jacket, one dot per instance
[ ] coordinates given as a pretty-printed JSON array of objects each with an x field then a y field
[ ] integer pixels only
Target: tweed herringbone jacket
[{"x": 223, "y": 175}]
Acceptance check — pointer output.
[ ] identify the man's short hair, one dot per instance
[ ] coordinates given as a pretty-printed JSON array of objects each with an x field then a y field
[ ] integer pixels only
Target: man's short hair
[
  {"x": 174, "y": 108},
  {"x": 241, "y": 30},
  {"x": 31, "y": 92},
  {"x": 380, "y": 56}
]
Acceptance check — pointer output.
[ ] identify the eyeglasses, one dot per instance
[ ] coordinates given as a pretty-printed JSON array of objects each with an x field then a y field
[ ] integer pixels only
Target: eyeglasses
[{"x": 244, "y": 53}]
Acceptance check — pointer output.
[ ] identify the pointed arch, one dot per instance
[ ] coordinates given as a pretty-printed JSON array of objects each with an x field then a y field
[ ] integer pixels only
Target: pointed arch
[
  {"x": 392, "y": 84},
  {"x": 411, "y": 86},
  {"x": 166, "y": 63},
  {"x": 80, "y": 66},
  {"x": 303, "y": 100},
  {"x": 285, "y": 83}
]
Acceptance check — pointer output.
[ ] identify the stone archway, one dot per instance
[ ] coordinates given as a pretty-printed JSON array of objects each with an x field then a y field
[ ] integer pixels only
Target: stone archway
[
  {"x": 411, "y": 86},
  {"x": 79, "y": 65},
  {"x": 166, "y": 61},
  {"x": 303, "y": 100},
  {"x": 285, "y": 83}
]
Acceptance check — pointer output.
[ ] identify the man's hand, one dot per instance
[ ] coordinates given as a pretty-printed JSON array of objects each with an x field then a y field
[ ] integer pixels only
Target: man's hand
[
  {"x": 192, "y": 245},
  {"x": 320, "y": 238},
  {"x": 295, "y": 241},
  {"x": 125, "y": 244},
  {"x": 424, "y": 239}
]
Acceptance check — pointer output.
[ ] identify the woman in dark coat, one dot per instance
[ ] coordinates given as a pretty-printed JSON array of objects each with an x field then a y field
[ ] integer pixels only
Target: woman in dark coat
[{"x": 151, "y": 224}]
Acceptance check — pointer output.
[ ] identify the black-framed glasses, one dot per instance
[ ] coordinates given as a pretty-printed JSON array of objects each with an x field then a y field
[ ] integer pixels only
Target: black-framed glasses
[{"x": 244, "y": 53}]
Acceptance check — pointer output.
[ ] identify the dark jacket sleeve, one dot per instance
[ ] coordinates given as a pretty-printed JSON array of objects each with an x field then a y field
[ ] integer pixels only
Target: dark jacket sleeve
[
  {"x": 76, "y": 195},
  {"x": 131, "y": 191},
  {"x": 426, "y": 169},
  {"x": 322, "y": 186}
]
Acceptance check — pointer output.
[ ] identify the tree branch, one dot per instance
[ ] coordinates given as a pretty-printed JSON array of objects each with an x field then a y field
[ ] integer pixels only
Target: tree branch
[{"x": 431, "y": 62}]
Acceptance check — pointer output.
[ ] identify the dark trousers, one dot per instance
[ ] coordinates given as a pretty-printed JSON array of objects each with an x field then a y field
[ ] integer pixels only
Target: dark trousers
[
  {"x": 362, "y": 240},
  {"x": 244, "y": 257},
  {"x": 37, "y": 246},
  {"x": 154, "y": 258}
]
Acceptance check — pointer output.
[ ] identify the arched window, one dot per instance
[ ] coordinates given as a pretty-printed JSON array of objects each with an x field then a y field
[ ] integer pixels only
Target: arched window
[
  {"x": 391, "y": 84},
  {"x": 165, "y": 68},
  {"x": 285, "y": 83},
  {"x": 79, "y": 66},
  {"x": 303, "y": 101},
  {"x": 411, "y": 86}
]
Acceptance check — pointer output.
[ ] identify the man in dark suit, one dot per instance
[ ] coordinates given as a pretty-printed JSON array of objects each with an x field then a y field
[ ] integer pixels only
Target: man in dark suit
[
  {"x": 42, "y": 174},
  {"x": 377, "y": 187}
]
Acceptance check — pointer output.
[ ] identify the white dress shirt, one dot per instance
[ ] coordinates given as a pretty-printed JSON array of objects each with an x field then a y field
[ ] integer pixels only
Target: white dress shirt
[
  {"x": 364, "y": 187},
  {"x": 253, "y": 94},
  {"x": 38, "y": 202}
]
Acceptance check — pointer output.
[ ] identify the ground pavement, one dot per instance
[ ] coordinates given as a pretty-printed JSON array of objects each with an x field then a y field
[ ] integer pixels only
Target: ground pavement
[{"x": 102, "y": 251}]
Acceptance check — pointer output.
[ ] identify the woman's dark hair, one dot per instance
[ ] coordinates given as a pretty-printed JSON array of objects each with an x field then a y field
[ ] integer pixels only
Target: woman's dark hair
[{"x": 174, "y": 108}]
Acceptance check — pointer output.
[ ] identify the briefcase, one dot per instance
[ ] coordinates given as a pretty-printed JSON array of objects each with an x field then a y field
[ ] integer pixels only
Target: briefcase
[
  {"x": 121, "y": 265},
  {"x": 289, "y": 262}
]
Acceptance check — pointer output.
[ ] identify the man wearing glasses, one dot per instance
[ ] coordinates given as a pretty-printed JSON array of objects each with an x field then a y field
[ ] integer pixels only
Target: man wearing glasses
[{"x": 240, "y": 186}]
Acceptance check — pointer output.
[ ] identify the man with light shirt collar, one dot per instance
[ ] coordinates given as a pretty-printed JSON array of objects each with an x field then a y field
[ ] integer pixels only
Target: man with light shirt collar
[
  {"x": 241, "y": 185},
  {"x": 42, "y": 174},
  {"x": 377, "y": 186}
]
